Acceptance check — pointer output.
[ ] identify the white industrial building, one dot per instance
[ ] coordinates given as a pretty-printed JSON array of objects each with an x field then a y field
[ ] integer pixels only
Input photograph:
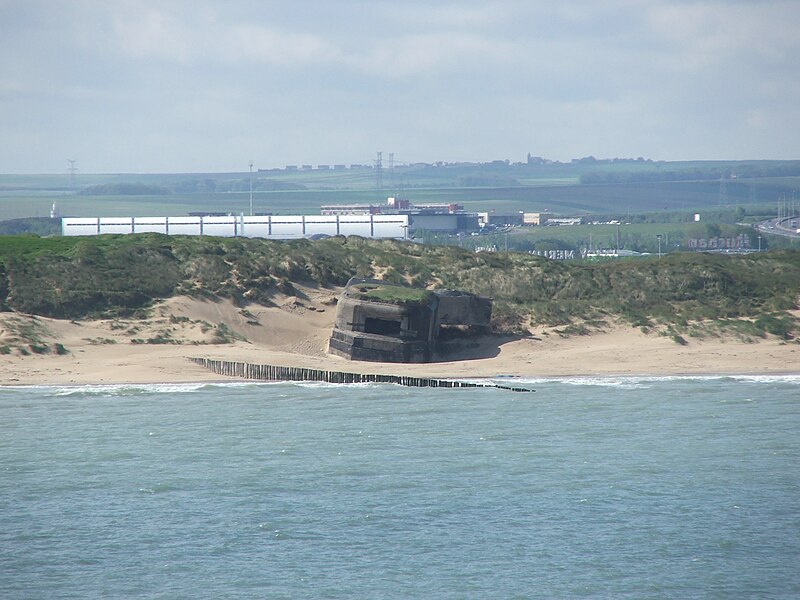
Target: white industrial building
[{"x": 274, "y": 227}]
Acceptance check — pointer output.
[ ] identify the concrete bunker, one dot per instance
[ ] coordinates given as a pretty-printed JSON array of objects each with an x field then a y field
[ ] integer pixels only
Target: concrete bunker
[{"x": 382, "y": 322}]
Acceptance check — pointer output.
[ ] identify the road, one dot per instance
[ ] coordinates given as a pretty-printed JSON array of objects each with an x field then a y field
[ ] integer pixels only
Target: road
[{"x": 787, "y": 226}]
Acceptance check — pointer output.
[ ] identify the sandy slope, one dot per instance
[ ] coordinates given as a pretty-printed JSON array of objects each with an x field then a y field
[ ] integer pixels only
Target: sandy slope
[{"x": 295, "y": 333}]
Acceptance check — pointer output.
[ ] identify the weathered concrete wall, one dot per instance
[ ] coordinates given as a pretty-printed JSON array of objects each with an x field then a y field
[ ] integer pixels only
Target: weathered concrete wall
[
  {"x": 376, "y": 348},
  {"x": 400, "y": 330},
  {"x": 382, "y": 331},
  {"x": 414, "y": 322},
  {"x": 462, "y": 308}
]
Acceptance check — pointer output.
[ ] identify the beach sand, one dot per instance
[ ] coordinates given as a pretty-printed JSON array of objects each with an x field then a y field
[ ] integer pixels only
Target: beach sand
[{"x": 295, "y": 333}]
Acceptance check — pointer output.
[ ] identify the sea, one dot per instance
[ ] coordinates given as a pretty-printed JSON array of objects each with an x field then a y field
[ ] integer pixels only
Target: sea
[{"x": 673, "y": 487}]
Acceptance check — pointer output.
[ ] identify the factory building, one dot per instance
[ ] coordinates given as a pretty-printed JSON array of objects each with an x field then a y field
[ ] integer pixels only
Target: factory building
[
  {"x": 498, "y": 219},
  {"x": 442, "y": 222},
  {"x": 275, "y": 227},
  {"x": 438, "y": 218}
]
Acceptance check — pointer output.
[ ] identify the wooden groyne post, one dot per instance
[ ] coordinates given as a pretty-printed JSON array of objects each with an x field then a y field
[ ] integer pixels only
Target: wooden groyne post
[{"x": 275, "y": 373}]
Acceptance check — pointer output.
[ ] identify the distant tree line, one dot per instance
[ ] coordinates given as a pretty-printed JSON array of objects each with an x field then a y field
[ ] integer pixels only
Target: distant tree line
[
  {"x": 190, "y": 186},
  {"x": 487, "y": 181},
  {"x": 124, "y": 189},
  {"x": 36, "y": 225},
  {"x": 742, "y": 170},
  {"x": 207, "y": 185}
]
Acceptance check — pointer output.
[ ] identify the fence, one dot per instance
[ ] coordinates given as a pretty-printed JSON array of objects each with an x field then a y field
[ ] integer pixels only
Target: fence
[{"x": 275, "y": 373}]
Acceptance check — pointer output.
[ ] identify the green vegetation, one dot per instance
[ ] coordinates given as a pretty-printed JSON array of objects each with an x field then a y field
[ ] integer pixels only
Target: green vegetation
[
  {"x": 71, "y": 278},
  {"x": 26, "y": 337},
  {"x": 120, "y": 275},
  {"x": 162, "y": 337},
  {"x": 225, "y": 335},
  {"x": 34, "y": 225},
  {"x": 393, "y": 294},
  {"x": 100, "y": 341},
  {"x": 124, "y": 189}
]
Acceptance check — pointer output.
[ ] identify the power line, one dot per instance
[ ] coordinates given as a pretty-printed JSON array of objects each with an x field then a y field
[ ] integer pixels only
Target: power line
[
  {"x": 391, "y": 171},
  {"x": 71, "y": 169},
  {"x": 379, "y": 176},
  {"x": 251, "y": 188}
]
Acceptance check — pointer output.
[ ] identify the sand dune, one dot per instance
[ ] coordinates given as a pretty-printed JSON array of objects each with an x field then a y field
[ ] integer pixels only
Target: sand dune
[{"x": 295, "y": 333}]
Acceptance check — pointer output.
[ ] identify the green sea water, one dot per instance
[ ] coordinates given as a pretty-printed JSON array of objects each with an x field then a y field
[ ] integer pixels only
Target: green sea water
[{"x": 589, "y": 488}]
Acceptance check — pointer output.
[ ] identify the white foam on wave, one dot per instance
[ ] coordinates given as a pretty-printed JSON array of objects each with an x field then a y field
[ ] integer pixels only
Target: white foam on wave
[
  {"x": 619, "y": 382},
  {"x": 128, "y": 389},
  {"x": 326, "y": 385},
  {"x": 792, "y": 379},
  {"x": 136, "y": 389},
  {"x": 643, "y": 382},
  {"x": 604, "y": 381}
]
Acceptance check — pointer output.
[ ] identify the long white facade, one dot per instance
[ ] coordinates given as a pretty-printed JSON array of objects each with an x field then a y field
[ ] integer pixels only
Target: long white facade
[{"x": 275, "y": 227}]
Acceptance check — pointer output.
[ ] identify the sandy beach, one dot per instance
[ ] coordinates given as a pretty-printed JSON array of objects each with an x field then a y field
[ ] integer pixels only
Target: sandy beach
[{"x": 295, "y": 333}]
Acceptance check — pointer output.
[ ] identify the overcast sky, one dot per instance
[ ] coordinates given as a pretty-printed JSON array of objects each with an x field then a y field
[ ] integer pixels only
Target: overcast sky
[{"x": 204, "y": 85}]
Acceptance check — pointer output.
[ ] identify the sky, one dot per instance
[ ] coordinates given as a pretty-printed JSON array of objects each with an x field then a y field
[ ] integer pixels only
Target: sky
[{"x": 207, "y": 86}]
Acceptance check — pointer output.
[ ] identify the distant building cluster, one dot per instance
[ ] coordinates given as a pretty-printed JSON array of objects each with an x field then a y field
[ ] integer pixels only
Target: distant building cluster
[
  {"x": 446, "y": 218},
  {"x": 529, "y": 160},
  {"x": 316, "y": 168},
  {"x": 394, "y": 206},
  {"x": 442, "y": 218}
]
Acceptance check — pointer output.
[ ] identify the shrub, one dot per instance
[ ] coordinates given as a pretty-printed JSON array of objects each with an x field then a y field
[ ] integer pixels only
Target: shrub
[
  {"x": 122, "y": 275},
  {"x": 779, "y": 326},
  {"x": 225, "y": 335}
]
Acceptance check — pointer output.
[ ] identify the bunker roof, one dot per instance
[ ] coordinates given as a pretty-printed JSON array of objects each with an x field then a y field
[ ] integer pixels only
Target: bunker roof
[{"x": 379, "y": 291}]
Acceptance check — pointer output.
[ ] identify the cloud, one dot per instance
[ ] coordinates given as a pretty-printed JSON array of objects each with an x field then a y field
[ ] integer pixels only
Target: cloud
[
  {"x": 179, "y": 82},
  {"x": 153, "y": 33},
  {"x": 262, "y": 44},
  {"x": 453, "y": 16},
  {"x": 420, "y": 55},
  {"x": 705, "y": 35}
]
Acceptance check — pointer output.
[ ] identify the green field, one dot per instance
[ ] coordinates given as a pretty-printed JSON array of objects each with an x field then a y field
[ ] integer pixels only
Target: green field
[{"x": 578, "y": 188}]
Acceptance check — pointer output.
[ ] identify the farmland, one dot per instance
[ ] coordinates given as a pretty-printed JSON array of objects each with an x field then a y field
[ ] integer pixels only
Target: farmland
[
  {"x": 649, "y": 199},
  {"x": 577, "y": 188}
]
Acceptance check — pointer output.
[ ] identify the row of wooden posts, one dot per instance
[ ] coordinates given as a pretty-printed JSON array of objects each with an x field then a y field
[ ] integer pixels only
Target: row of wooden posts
[{"x": 275, "y": 373}]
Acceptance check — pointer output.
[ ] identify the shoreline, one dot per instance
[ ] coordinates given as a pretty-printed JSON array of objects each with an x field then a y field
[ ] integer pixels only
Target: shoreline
[
  {"x": 172, "y": 365},
  {"x": 543, "y": 379}
]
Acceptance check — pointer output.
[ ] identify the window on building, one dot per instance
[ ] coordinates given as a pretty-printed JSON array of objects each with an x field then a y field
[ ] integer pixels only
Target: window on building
[{"x": 381, "y": 326}]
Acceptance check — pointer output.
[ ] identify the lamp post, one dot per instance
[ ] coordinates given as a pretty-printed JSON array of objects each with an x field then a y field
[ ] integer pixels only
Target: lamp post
[
  {"x": 659, "y": 244},
  {"x": 759, "y": 243}
]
